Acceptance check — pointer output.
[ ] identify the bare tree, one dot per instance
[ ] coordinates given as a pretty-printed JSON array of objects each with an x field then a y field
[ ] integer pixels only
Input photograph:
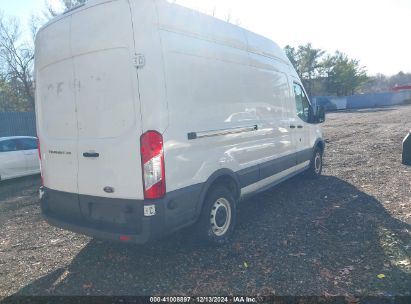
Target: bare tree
[
  {"x": 228, "y": 17},
  {"x": 214, "y": 11},
  {"x": 16, "y": 57}
]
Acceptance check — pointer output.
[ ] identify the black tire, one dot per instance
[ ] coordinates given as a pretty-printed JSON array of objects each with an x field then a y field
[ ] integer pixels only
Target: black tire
[
  {"x": 218, "y": 217},
  {"x": 316, "y": 164}
]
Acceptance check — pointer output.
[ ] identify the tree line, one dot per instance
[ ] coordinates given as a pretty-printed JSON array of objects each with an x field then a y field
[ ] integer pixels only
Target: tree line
[
  {"x": 382, "y": 83},
  {"x": 338, "y": 75},
  {"x": 321, "y": 73},
  {"x": 326, "y": 74}
]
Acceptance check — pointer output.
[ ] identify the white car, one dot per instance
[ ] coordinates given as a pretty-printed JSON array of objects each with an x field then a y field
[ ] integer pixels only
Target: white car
[{"x": 18, "y": 157}]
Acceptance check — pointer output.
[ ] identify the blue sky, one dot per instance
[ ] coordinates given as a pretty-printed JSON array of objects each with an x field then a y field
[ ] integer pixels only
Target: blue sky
[{"x": 374, "y": 31}]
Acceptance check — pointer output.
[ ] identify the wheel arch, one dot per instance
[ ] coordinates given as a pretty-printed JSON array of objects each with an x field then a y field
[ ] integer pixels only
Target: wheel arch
[
  {"x": 221, "y": 177},
  {"x": 320, "y": 143}
]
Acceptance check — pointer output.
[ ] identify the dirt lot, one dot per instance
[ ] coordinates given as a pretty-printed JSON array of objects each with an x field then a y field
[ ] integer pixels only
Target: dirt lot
[{"x": 332, "y": 236}]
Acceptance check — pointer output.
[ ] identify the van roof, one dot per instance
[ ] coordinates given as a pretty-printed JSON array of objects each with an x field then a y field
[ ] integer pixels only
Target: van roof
[
  {"x": 67, "y": 13},
  {"x": 176, "y": 17}
]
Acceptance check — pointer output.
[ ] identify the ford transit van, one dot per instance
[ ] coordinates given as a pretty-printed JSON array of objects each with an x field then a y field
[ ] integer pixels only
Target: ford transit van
[{"x": 153, "y": 117}]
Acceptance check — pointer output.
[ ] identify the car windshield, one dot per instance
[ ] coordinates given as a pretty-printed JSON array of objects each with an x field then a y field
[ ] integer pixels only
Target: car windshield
[{"x": 8, "y": 146}]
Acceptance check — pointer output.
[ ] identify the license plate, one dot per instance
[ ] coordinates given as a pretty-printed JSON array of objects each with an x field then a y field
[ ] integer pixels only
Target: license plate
[{"x": 150, "y": 210}]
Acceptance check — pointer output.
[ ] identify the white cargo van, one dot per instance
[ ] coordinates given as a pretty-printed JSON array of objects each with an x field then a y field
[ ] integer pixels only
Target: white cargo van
[{"x": 152, "y": 117}]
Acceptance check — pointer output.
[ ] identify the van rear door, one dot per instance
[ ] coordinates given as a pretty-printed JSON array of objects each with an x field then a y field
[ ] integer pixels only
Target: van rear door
[
  {"x": 56, "y": 107},
  {"x": 109, "y": 124},
  {"x": 89, "y": 105}
]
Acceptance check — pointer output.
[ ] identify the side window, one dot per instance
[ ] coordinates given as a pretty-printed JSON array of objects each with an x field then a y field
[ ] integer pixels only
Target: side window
[
  {"x": 26, "y": 144},
  {"x": 8, "y": 146},
  {"x": 302, "y": 102}
]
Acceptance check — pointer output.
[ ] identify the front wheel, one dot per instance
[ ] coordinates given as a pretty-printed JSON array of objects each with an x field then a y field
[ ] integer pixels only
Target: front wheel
[
  {"x": 316, "y": 164},
  {"x": 218, "y": 217}
]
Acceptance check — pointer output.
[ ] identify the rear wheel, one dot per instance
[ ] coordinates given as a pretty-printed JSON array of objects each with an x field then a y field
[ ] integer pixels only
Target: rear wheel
[
  {"x": 217, "y": 220},
  {"x": 316, "y": 164}
]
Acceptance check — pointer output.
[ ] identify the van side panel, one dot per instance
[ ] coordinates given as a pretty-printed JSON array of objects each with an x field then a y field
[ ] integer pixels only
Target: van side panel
[
  {"x": 152, "y": 86},
  {"x": 269, "y": 85},
  {"x": 198, "y": 99},
  {"x": 198, "y": 102},
  {"x": 175, "y": 18},
  {"x": 220, "y": 86},
  {"x": 265, "y": 47}
]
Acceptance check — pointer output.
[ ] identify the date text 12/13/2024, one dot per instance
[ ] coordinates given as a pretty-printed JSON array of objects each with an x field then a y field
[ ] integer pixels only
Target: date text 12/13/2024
[{"x": 203, "y": 300}]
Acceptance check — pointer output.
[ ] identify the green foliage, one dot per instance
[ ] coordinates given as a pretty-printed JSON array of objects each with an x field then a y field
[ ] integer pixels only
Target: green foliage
[
  {"x": 293, "y": 56},
  {"x": 325, "y": 74},
  {"x": 13, "y": 97},
  {"x": 306, "y": 61},
  {"x": 343, "y": 75}
]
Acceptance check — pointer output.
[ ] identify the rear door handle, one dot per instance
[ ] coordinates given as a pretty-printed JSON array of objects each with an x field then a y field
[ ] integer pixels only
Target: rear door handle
[
  {"x": 91, "y": 155},
  {"x": 300, "y": 127}
]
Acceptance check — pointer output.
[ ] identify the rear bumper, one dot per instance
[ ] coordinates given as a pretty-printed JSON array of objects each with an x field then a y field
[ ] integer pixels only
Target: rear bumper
[
  {"x": 118, "y": 219},
  {"x": 82, "y": 228}
]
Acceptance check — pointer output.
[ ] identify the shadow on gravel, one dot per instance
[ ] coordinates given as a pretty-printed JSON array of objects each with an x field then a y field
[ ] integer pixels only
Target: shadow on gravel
[
  {"x": 303, "y": 237},
  {"x": 26, "y": 187},
  {"x": 12, "y": 186}
]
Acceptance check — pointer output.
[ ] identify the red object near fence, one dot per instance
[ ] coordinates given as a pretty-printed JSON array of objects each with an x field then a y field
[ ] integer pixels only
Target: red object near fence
[{"x": 401, "y": 88}]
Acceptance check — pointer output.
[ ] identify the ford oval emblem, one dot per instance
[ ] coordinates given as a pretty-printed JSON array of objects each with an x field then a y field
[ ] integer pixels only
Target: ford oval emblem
[{"x": 109, "y": 189}]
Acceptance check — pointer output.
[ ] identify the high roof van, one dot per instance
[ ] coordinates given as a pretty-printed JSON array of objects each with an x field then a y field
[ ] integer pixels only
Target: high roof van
[{"x": 153, "y": 117}]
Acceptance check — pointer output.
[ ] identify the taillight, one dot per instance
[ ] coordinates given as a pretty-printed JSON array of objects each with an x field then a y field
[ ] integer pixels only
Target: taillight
[
  {"x": 152, "y": 162},
  {"x": 39, "y": 151}
]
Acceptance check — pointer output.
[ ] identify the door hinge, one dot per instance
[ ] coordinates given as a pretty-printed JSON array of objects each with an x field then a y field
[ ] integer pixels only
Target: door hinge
[{"x": 139, "y": 61}]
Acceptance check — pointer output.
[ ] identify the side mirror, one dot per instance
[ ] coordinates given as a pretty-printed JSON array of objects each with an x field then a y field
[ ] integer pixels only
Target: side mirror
[
  {"x": 320, "y": 114},
  {"x": 406, "y": 150},
  {"x": 317, "y": 115}
]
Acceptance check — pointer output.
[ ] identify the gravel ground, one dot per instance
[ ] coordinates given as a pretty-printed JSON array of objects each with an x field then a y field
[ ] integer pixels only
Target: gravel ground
[{"x": 348, "y": 233}]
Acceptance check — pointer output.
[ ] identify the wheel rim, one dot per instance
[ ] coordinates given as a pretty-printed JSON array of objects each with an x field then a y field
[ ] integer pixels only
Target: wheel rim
[
  {"x": 318, "y": 163},
  {"x": 220, "y": 217}
]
